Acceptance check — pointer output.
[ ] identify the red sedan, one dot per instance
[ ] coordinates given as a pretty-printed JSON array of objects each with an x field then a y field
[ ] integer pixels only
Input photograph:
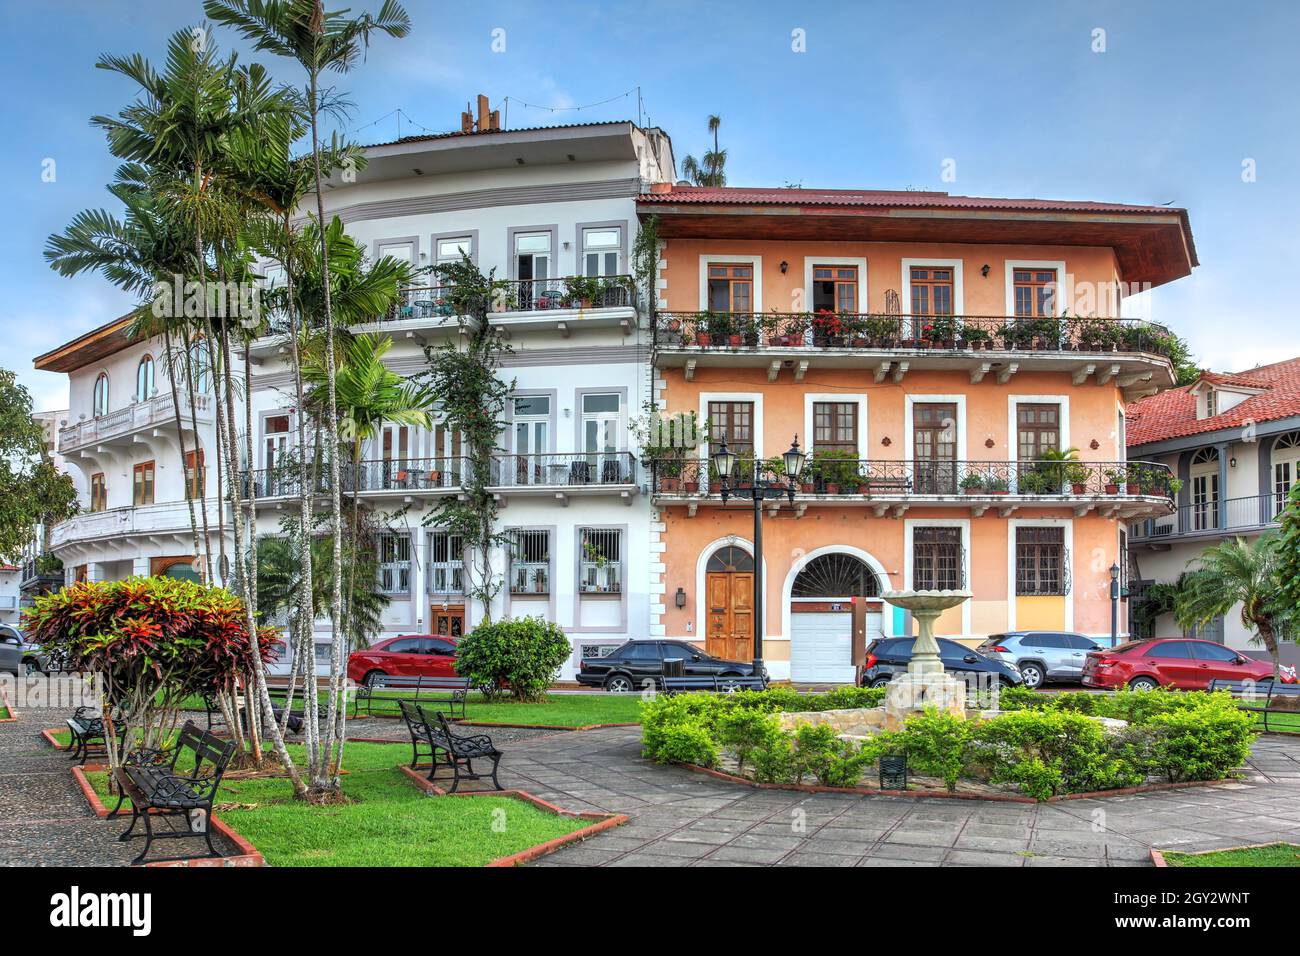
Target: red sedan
[
  {"x": 410, "y": 655},
  {"x": 1170, "y": 662}
]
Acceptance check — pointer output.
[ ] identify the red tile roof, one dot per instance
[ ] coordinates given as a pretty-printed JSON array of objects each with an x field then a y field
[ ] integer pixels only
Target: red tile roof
[
  {"x": 734, "y": 195},
  {"x": 1172, "y": 414}
]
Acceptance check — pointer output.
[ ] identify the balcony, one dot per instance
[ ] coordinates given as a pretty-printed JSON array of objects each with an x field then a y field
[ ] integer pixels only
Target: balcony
[
  {"x": 121, "y": 426},
  {"x": 560, "y": 304},
  {"x": 565, "y": 474},
  {"x": 159, "y": 521},
  {"x": 1213, "y": 519},
  {"x": 40, "y": 574},
  {"x": 1130, "y": 352},
  {"x": 414, "y": 478},
  {"x": 889, "y": 488}
]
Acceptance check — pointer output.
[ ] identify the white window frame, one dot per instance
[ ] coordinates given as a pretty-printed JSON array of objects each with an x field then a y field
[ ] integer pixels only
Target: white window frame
[
  {"x": 811, "y": 399},
  {"x": 395, "y": 567},
  {"x": 1062, "y": 284},
  {"x": 958, "y": 282},
  {"x": 724, "y": 259},
  {"x": 809, "y": 262},
  {"x": 755, "y": 397},
  {"x": 1012, "y": 525},
  {"x": 1013, "y": 426},
  {"x": 909, "y": 526}
]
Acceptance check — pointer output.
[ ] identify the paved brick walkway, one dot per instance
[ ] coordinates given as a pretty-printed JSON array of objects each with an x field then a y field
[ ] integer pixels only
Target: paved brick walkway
[{"x": 681, "y": 818}]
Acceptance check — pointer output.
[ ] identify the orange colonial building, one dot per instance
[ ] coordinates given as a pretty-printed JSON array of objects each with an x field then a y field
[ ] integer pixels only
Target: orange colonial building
[{"x": 935, "y": 355}]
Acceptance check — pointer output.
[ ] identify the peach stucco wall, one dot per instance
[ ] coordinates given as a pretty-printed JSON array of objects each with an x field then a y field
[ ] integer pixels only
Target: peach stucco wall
[
  {"x": 983, "y": 295},
  {"x": 787, "y": 539},
  {"x": 1093, "y": 411}
]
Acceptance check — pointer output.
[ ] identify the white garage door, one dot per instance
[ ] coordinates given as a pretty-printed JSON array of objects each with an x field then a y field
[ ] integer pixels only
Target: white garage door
[{"x": 821, "y": 649}]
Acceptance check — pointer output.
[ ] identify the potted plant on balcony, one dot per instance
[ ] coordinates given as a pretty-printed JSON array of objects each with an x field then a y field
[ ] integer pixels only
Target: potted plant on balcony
[
  {"x": 996, "y": 485},
  {"x": 1076, "y": 475},
  {"x": 1034, "y": 481},
  {"x": 703, "y": 325},
  {"x": 941, "y": 332},
  {"x": 828, "y": 328},
  {"x": 1057, "y": 467},
  {"x": 837, "y": 468},
  {"x": 975, "y": 337},
  {"x": 581, "y": 291},
  {"x": 974, "y": 484},
  {"x": 1133, "y": 478},
  {"x": 1114, "y": 478},
  {"x": 881, "y": 331},
  {"x": 669, "y": 473}
]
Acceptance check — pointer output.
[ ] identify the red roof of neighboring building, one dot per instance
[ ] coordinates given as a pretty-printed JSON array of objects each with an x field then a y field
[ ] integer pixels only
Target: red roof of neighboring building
[
  {"x": 736, "y": 195},
  {"x": 1172, "y": 414}
]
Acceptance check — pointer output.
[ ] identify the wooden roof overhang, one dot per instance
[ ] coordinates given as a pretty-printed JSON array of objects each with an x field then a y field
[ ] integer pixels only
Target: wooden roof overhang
[{"x": 82, "y": 351}]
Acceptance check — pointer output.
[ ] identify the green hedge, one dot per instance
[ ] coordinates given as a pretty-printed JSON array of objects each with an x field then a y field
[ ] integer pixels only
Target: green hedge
[{"x": 1042, "y": 745}]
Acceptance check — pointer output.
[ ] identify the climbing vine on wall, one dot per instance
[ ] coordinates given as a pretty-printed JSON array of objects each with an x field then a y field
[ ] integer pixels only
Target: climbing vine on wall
[{"x": 471, "y": 401}]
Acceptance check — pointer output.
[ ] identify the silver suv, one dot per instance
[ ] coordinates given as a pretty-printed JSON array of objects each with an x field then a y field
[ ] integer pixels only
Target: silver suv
[
  {"x": 17, "y": 654},
  {"x": 1042, "y": 656}
]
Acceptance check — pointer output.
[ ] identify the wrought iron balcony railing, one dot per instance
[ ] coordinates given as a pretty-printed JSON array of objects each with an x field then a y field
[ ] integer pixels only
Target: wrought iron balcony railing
[
  {"x": 850, "y": 477},
  {"x": 519, "y": 295},
  {"x": 1229, "y": 516},
  {"x": 408, "y": 474},
  {"x": 564, "y": 470},
  {"x": 844, "y": 330}
]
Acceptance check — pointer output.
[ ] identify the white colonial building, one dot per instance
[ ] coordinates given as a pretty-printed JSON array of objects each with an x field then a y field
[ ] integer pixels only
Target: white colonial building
[
  {"x": 119, "y": 442},
  {"x": 535, "y": 206},
  {"x": 1234, "y": 442}
]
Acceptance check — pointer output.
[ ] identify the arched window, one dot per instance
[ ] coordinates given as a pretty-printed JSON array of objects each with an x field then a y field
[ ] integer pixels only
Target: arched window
[
  {"x": 731, "y": 558},
  {"x": 100, "y": 406},
  {"x": 836, "y": 576},
  {"x": 1286, "y": 467},
  {"x": 144, "y": 379}
]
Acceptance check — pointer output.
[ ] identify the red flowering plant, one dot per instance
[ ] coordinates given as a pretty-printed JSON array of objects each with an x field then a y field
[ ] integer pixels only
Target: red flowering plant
[{"x": 153, "y": 642}]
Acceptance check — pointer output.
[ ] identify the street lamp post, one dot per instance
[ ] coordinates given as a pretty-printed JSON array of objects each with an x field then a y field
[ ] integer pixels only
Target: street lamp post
[
  {"x": 1114, "y": 604},
  {"x": 762, "y": 487}
]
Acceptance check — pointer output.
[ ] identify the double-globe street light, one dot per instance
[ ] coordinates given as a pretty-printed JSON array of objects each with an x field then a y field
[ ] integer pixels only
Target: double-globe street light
[{"x": 762, "y": 487}]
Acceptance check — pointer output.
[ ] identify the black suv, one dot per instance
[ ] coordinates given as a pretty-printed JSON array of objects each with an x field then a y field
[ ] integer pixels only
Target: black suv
[
  {"x": 629, "y": 667},
  {"x": 890, "y": 655}
]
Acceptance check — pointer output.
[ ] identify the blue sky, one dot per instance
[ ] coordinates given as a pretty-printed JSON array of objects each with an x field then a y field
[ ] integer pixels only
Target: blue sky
[{"x": 1012, "y": 91}]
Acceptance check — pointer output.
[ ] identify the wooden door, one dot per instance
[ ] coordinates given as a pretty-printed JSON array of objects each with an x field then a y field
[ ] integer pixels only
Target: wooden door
[
  {"x": 730, "y": 624},
  {"x": 449, "y": 622},
  {"x": 934, "y": 442}
]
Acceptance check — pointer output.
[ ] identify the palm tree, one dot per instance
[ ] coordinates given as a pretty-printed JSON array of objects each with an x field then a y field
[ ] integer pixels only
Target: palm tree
[
  {"x": 709, "y": 170},
  {"x": 302, "y": 30},
  {"x": 370, "y": 394},
  {"x": 181, "y": 126},
  {"x": 1238, "y": 572}
]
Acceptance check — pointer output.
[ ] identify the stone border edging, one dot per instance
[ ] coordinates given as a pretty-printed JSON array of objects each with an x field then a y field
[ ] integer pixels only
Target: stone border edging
[
  {"x": 946, "y": 794},
  {"x": 1158, "y": 858},
  {"x": 602, "y": 821},
  {"x": 489, "y": 723},
  {"x": 9, "y": 708},
  {"x": 248, "y": 854}
]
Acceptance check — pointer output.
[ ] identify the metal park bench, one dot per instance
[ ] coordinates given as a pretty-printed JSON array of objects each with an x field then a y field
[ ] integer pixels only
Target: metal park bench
[
  {"x": 712, "y": 683},
  {"x": 158, "y": 787},
  {"x": 448, "y": 691},
  {"x": 459, "y": 750},
  {"x": 88, "y": 733},
  {"x": 1262, "y": 697}
]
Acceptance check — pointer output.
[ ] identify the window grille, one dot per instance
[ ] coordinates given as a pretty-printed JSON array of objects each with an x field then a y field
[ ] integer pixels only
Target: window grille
[
  {"x": 600, "y": 561},
  {"x": 446, "y": 563},
  {"x": 394, "y": 563},
  {"x": 1042, "y": 561},
  {"x": 937, "y": 559},
  {"x": 530, "y": 562}
]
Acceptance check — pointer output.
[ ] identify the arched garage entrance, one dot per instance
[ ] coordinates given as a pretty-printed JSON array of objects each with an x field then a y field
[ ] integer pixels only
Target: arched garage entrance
[{"x": 821, "y": 618}]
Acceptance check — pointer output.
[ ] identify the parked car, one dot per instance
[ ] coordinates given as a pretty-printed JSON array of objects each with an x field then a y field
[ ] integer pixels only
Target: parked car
[
  {"x": 889, "y": 656},
  {"x": 1170, "y": 662},
  {"x": 1042, "y": 656},
  {"x": 629, "y": 667},
  {"x": 410, "y": 655},
  {"x": 17, "y": 654}
]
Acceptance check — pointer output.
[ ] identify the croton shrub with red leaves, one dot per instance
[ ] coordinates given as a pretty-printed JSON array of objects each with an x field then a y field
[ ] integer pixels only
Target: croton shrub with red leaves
[{"x": 154, "y": 641}]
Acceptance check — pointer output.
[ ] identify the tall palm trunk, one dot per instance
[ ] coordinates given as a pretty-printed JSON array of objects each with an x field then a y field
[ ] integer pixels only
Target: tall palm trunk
[
  {"x": 180, "y": 431},
  {"x": 333, "y": 721},
  {"x": 305, "y": 650}
]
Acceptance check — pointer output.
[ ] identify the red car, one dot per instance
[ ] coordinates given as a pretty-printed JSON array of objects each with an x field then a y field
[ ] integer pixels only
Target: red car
[
  {"x": 1170, "y": 662},
  {"x": 410, "y": 655}
]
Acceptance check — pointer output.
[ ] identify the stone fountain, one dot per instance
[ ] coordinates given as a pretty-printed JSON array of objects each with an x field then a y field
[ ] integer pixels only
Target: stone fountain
[{"x": 925, "y": 684}]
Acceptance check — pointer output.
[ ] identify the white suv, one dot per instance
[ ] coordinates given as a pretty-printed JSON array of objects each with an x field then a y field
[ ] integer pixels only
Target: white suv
[{"x": 1042, "y": 656}]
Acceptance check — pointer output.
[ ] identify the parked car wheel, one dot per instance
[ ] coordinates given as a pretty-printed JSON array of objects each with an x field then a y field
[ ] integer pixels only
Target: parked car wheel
[
  {"x": 1032, "y": 672},
  {"x": 880, "y": 682},
  {"x": 372, "y": 678},
  {"x": 619, "y": 684},
  {"x": 1143, "y": 683}
]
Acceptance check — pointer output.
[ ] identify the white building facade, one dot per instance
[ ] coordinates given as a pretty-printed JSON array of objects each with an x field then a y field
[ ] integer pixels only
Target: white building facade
[
  {"x": 1234, "y": 442},
  {"x": 534, "y": 206}
]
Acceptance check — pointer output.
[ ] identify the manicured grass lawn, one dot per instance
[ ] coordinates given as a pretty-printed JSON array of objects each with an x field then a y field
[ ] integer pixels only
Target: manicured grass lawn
[
  {"x": 1288, "y": 723},
  {"x": 389, "y": 823},
  {"x": 560, "y": 710},
  {"x": 1276, "y": 854}
]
